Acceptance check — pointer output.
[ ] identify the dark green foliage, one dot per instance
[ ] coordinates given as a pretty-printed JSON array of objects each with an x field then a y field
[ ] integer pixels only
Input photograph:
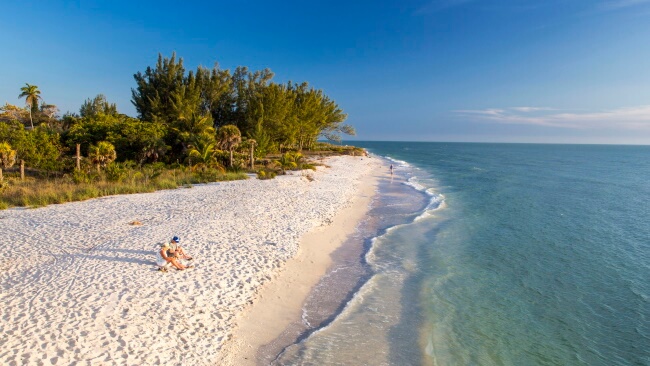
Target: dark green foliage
[
  {"x": 279, "y": 116},
  {"x": 115, "y": 172},
  {"x": 157, "y": 88},
  {"x": 40, "y": 147},
  {"x": 263, "y": 141},
  {"x": 97, "y": 106},
  {"x": 133, "y": 139}
]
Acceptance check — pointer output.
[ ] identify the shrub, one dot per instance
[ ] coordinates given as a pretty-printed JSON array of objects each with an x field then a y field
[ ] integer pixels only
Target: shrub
[
  {"x": 81, "y": 177},
  {"x": 88, "y": 192},
  {"x": 262, "y": 174},
  {"x": 116, "y": 172}
]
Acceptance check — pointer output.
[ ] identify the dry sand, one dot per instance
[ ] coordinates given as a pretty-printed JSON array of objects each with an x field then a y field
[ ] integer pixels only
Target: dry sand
[
  {"x": 280, "y": 302},
  {"x": 79, "y": 285}
]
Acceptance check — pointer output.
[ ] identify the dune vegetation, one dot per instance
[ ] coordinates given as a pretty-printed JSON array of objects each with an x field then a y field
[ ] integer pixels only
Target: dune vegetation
[{"x": 194, "y": 126}]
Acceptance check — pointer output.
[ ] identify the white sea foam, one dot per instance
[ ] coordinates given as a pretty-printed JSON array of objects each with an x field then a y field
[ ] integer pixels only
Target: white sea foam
[
  {"x": 414, "y": 182},
  {"x": 436, "y": 203},
  {"x": 357, "y": 299},
  {"x": 400, "y": 163},
  {"x": 374, "y": 245}
]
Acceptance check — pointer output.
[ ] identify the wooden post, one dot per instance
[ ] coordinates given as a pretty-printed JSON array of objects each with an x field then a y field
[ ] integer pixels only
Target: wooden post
[
  {"x": 78, "y": 157},
  {"x": 252, "y": 158},
  {"x": 22, "y": 169},
  {"x": 0, "y": 174}
]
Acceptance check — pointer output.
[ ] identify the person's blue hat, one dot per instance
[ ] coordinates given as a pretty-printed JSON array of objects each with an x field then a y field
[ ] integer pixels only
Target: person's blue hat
[{"x": 176, "y": 239}]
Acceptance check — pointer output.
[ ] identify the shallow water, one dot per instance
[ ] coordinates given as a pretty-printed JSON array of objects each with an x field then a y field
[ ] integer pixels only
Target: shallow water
[{"x": 497, "y": 254}]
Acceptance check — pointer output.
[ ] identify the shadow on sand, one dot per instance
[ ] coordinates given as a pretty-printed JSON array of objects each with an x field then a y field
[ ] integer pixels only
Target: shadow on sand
[{"x": 118, "y": 259}]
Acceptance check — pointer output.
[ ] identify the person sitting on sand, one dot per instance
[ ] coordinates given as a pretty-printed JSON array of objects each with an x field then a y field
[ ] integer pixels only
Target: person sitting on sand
[
  {"x": 180, "y": 252},
  {"x": 170, "y": 254}
]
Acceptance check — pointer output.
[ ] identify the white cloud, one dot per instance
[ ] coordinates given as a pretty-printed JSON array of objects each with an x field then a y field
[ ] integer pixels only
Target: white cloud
[
  {"x": 530, "y": 109},
  {"x": 632, "y": 118},
  {"x": 619, "y": 4}
]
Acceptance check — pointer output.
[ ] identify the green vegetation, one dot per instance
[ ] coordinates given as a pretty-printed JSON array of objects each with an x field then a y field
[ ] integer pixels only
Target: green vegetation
[
  {"x": 192, "y": 127},
  {"x": 118, "y": 179}
]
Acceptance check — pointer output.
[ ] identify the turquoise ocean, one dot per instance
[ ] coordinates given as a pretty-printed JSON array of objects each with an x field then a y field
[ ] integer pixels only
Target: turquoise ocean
[{"x": 496, "y": 254}]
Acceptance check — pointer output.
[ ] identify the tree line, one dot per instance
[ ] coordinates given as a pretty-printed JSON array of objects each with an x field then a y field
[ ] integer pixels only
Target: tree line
[{"x": 204, "y": 117}]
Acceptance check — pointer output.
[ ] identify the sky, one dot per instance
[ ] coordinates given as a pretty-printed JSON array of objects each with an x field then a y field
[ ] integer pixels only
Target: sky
[{"x": 552, "y": 71}]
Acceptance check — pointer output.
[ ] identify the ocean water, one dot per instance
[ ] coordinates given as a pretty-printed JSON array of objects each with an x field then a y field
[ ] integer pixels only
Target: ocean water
[{"x": 497, "y": 254}]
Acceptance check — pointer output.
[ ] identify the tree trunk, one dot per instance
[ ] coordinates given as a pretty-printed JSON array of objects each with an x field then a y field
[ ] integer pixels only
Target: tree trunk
[
  {"x": 0, "y": 174},
  {"x": 231, "y": 158},
  {"x": 78, "y": 157},
  {"x": 31, "y": 122},
  {"x": 22, "y": 169}
]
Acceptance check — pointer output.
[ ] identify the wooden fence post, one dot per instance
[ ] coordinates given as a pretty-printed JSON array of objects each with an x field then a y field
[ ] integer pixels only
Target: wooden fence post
[
  {"x": 78, "y": 157},
  {"x": 22, "y": 169},
  {"x": 252, "y": 157}
]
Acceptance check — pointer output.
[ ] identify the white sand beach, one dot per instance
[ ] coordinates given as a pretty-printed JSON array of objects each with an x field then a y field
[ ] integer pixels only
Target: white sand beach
[{"x": 79, "y": 284}]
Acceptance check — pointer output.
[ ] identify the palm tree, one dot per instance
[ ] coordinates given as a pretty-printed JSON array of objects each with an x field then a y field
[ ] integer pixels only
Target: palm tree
[
  {"x": 102, "y": 154},
  {"x": 32, "y": 96},
  {"x": 202, "y": 151},
  {"x": 229, "y": 137}
]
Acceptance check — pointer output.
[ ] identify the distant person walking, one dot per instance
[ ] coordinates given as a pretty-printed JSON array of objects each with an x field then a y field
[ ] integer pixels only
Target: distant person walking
[{"x": 391, "y": 169}]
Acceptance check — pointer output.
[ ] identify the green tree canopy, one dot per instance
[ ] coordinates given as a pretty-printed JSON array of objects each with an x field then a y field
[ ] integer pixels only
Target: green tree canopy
[
  {"x": 278, "y": 116},
  {"x": 158, "y": 89},
  {"x": 134, "y": 139},
  {"x": 96, "y": 106}
]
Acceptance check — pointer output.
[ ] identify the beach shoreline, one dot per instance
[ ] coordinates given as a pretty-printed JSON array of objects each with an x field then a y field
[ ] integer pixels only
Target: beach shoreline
[
  {"x": 80, "y": 283},
  {"x": 279, "y": 304}
]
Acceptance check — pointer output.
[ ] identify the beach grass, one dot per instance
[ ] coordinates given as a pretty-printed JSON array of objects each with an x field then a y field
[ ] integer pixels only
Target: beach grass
[{"x": 33, "y": 192}]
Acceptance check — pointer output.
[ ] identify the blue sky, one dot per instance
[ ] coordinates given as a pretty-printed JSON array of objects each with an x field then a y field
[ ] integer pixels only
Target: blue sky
[{"x": 427, "y": 70}]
